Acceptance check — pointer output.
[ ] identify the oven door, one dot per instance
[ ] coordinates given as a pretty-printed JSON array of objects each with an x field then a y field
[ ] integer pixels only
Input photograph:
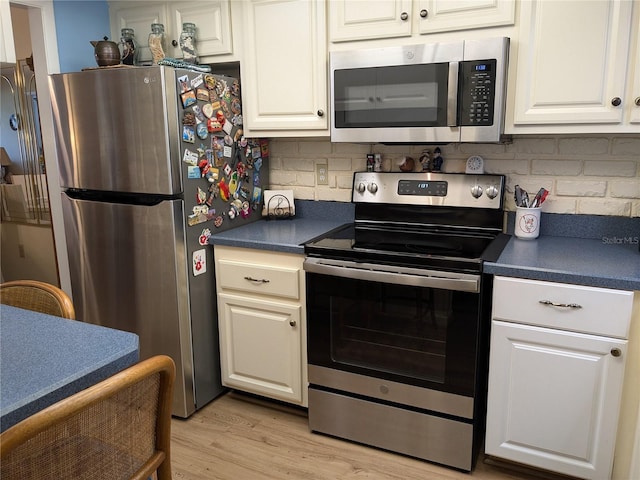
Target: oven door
[{"x": 402, "y": 325}]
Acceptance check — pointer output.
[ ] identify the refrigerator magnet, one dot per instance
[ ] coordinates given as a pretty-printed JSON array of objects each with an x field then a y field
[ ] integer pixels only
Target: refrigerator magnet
[
  {"x": 224, "y": 190},
  {"x": 201, "y": 196},
  {"x": 218, "y": 221},
  {"x": 189, "y": 157},
  {"x": 183, "y": 81},
  {"x": 198, "y": 112},
  {"x": 202, "y": 131},
  {"x": 235, "y": 88},
  {"x": 210, "y": 82},
  {"x": 208, "y": 110},
  {"x": 199, "y": 262},
  {"x": 213, "y": 125},
  {"x": 202, "y": 94},
  {"x": 188, "y": 134},
  {"x": 189, "y": 118},
  {"x": 193, "y": 171},
  {"x": 203, "y": 239},
  {"x": 188, "y": 98},
  {"x": 237, "y": 120},
  {"x": 197, "y": 81},
  {"x": 221, "y": 87}
]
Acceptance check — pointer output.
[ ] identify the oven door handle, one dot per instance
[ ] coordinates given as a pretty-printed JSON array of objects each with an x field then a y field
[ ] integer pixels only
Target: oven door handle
[{"x": 394, "y": 274}]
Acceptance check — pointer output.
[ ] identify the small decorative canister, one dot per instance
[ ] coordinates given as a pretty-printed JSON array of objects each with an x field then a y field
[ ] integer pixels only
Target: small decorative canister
[
  {"x": 157, "y": 42},
  {"x": 188, "y": 43},
  {"x": 128, "y": 47}
]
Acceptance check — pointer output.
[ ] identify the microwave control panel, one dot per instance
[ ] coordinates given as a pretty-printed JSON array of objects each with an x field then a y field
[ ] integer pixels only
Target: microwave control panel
[{"x": 477, "y": 95}]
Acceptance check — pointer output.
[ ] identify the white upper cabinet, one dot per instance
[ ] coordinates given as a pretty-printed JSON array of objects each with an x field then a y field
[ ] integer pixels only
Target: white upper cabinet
[
  {"x": 212, "y": 20},
  {"x": 138, "y": 16},
  {"x": 449, "y": 15},
  {"x": 350, "y": 20},
  {"x": 213, "y": 24},
  {"x": 7, "y": 48},
  {"x": 574, "y": 67},
  {"x": 284, "y": 80}
]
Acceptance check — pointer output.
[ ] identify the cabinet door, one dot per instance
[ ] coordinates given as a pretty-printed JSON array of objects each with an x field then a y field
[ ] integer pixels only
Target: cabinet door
[
  {"x": 449, "y": 15},
  {"x": 633, "y": 97},
  {"x": 349, "y": 20},
  {"x": 213, "y": 23},
  {"x": 554, "y": 398},
  {"x": 284, "y": 73},
  {"x": 138, "y": 16},
  {"x": 260, "y": 346},
  {"x": 7, "y": 48},
  {"x": 572, "y": 61}
]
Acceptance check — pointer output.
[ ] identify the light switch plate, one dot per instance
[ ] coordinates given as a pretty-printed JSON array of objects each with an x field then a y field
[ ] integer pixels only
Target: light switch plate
[{"x": 322, "y": 174}]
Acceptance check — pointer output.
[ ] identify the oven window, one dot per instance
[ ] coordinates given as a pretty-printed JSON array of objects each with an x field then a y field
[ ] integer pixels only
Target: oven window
[
  {"x": 422, "y": 336},
  {"x": 403, "y": 96},
  {"x": 392, "y": 328}
]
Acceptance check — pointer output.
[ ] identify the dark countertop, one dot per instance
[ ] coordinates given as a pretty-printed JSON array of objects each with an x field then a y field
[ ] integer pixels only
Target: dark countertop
[
  {"x": 44, "y": 359},
  {"x": 312, "y": 219},
  {"x": 578, "y": 261},
  {"x": 605, "y": 254},
  {"x": 592, "y": 250}
]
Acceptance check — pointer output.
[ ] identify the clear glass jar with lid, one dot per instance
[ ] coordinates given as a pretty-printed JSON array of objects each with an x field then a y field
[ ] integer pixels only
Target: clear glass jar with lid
[
  {"x": 129, "y": 51},
  {"x": 157, "y": 42},
  {"x": 188, "y": 43}
]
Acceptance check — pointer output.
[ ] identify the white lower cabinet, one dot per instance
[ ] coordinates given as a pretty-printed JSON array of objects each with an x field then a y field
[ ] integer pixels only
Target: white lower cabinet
[
  {"x": 554, "y": 388},
  {"x": 262, "y": 322}
]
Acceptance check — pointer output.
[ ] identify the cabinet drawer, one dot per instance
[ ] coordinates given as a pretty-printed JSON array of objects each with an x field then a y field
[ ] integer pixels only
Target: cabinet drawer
[
  {"x": 598, "y": 311},
  {"x": 258, "y": 279}
]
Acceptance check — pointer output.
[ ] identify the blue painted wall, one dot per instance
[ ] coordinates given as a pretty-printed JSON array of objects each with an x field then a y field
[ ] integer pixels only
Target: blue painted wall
[{"x": 77, "y": 23}]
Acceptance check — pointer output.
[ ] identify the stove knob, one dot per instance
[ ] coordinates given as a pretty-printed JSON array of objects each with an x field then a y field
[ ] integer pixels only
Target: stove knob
[
  {"x": 361, "y": 188},
  {"x": 373, "y": 188},
  {"x": 476, "y": 191},
  {"x": 492, "y": 192}
]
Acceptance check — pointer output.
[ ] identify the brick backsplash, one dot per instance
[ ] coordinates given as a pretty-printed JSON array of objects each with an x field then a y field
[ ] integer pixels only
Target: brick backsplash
[{"x": 584, "y": 174}]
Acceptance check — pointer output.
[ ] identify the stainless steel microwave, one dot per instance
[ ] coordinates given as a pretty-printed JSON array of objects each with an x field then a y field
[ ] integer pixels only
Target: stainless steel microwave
[{"x": 424, "y": 93}]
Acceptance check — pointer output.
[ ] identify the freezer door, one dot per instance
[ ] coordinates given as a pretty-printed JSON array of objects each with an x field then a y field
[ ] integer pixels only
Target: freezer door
[
  {"x": 129, "y": 272},
  {"x": 117, "y": 130}
]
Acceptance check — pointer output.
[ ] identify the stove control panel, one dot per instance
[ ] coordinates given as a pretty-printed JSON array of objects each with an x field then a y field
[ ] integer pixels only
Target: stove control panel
[{"x": 422, "y": 188}]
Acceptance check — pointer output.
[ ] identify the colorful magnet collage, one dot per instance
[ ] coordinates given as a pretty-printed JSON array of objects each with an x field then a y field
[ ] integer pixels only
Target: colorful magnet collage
[{"x": 217, "y": 155}]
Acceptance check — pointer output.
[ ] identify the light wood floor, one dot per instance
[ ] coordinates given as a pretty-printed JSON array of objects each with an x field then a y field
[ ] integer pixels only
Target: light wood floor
[{"x": 239, "y": 437}]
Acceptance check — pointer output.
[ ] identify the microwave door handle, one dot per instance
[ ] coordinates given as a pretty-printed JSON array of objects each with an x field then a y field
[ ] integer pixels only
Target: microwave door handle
[{"x": 452, "y": 100}]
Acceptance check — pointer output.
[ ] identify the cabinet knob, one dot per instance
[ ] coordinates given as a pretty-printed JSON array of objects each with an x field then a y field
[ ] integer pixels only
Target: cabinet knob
[
  {"x": 616, "y": 352},
  {"x": 404, "y": 16},
  {"x": 292, "y": 323},
  {"x": 637, "y": 101},
  {"x": 321, "y": 113},
  {"x": 424, "y": 13},
  {"x": 616, "y": 101},
  {"x": 174, "y": 43}
]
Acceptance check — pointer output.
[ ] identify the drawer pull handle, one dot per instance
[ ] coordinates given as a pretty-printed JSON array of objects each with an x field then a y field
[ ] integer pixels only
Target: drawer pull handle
[
  {"x": 560, "y": 305},
  {"x": 292, "y": 323},
  {"x": 256, "y": 280},
  {"x": 616, "y": 352}
]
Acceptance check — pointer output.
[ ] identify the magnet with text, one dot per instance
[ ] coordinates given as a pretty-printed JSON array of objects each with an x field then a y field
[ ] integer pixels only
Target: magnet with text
[{"x": 189, "y": 157}]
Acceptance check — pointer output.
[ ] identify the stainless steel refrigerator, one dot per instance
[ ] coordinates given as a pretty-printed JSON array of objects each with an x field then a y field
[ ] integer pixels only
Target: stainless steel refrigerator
[{"x": 144, "y": 184}]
